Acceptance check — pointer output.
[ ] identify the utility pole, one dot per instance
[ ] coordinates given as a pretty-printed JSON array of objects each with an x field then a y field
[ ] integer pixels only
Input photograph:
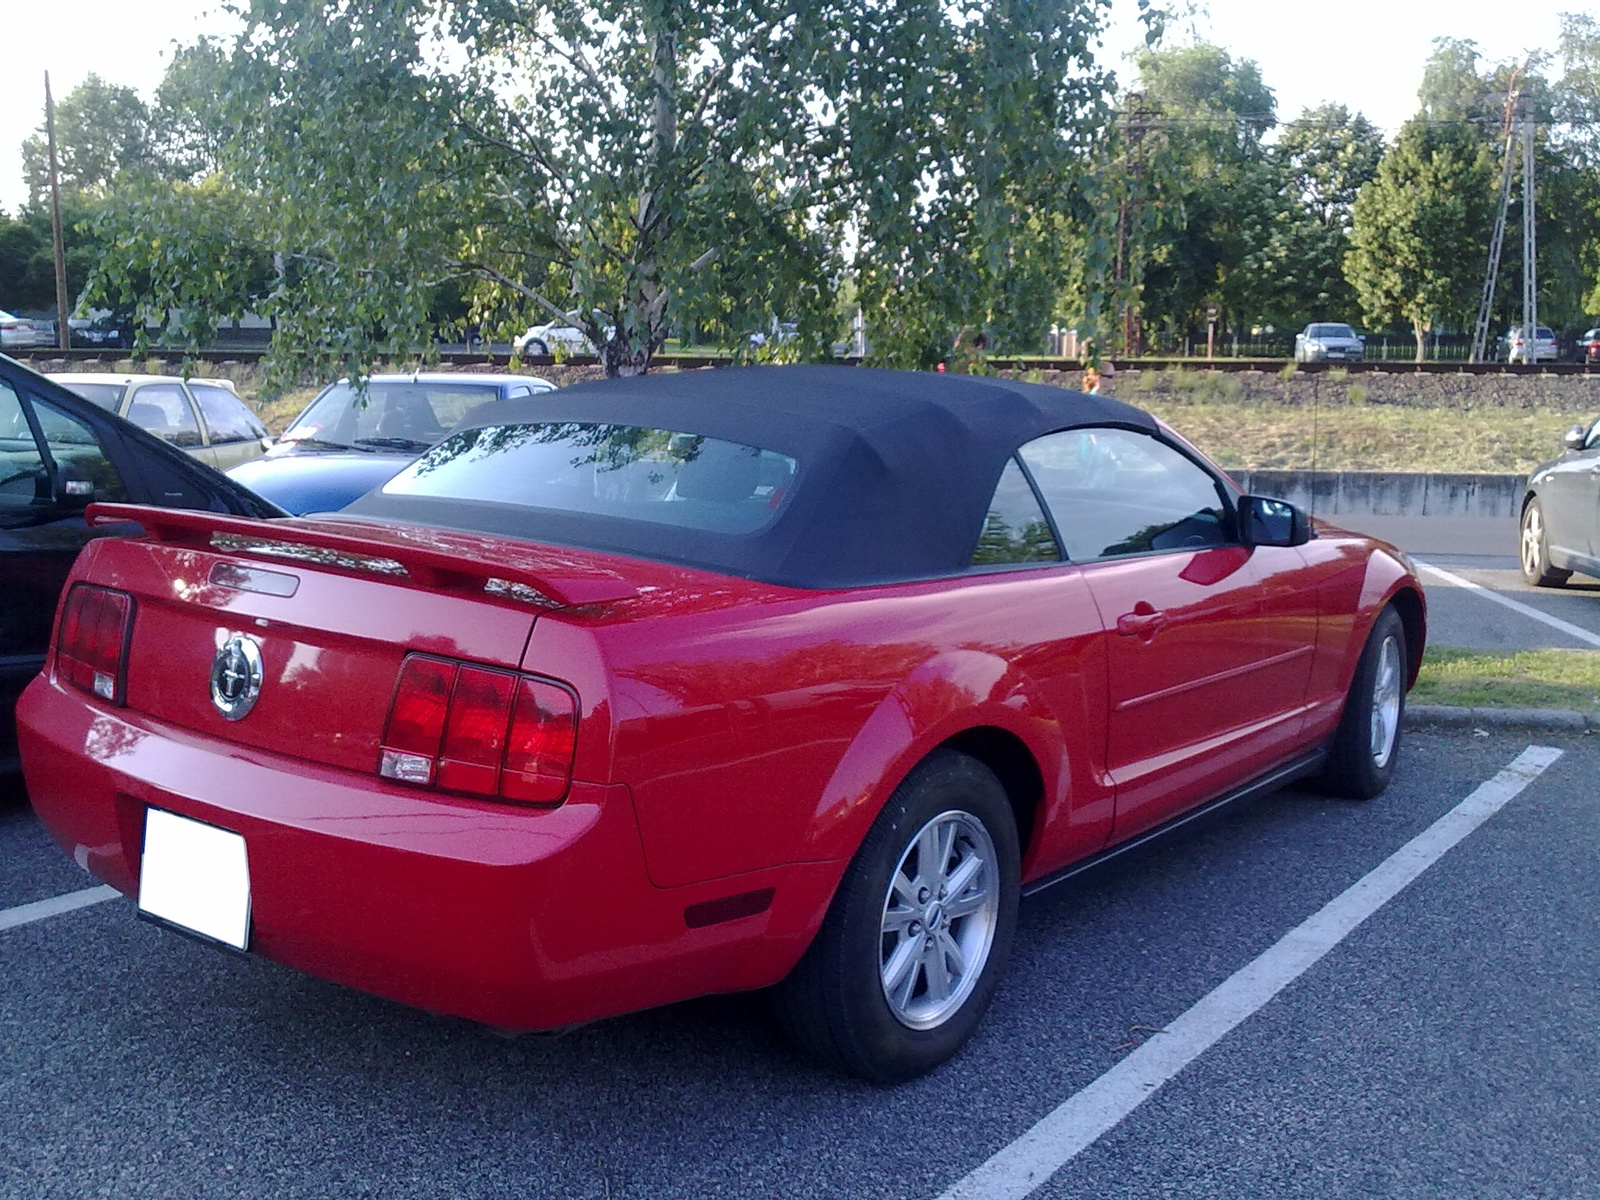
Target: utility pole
[
  {"x": 1128, "y": 275},
  {"x": 1530, "y": 242},
  {"x": 63, "y": 332}
]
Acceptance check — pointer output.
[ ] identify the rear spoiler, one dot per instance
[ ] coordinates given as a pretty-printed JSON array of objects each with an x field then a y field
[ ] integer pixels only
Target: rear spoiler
[{"x": 436, "y": 563}]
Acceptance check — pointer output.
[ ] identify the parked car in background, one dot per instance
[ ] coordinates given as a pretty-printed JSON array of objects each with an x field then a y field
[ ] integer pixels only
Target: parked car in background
[
  {"x": 547, "y": 338},
  {"x": 647, "y": 689},
  {"x": 1326, "y": 341},
  {"x": 203, "y": 417},
  {"x": 18, "y": 333},
  {"x": 105, "y": 331},
  {"x": 1542, "y": 347},
  {"x": 1587, "y": 347},
  {"x": 58, "y": 454},
  {"x": 349, "y": 440}
]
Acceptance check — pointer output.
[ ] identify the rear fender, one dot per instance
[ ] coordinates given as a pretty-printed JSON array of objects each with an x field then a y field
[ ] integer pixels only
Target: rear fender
[{"x": 949, "y": 693}]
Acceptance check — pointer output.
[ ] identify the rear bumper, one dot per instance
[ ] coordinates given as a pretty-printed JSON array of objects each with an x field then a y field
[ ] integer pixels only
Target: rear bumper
[{"x": 518, "y": 917}]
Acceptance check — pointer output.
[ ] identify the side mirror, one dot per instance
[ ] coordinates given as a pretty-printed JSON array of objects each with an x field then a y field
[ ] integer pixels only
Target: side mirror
[
  {"x": 73, "y": 489},
  {"x": 1572, "y": 439},
  {"x": 1267, "y": 522}
]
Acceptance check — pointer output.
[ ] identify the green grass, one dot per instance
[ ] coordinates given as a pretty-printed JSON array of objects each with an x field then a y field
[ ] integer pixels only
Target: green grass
[
  {"x": 1509, "y": 678},
  {"x": 1365, "y": 437}
]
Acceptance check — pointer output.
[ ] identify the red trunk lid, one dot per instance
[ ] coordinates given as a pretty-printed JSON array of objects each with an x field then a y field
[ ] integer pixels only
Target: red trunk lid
[{"x": 331, "y": 632}]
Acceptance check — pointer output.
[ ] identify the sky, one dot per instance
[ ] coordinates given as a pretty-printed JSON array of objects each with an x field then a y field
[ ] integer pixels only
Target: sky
[{"x": 1365, "y": 54}]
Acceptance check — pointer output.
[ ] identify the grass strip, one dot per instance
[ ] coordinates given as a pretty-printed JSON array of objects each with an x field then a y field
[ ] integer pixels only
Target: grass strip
[{"x": 1509, "y": 678}]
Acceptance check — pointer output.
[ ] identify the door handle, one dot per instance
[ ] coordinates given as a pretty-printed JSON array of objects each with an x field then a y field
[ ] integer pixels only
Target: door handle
[{"x": 1144, "y": 621}]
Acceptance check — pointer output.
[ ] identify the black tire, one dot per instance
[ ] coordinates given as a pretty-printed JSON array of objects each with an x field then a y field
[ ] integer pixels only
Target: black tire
[
  {"x": 535, "y": 349},
  {"x": 1533, "y": 549},
  {"x": 1358, "y": 767},
  {"x": 836, "y": 1003}
]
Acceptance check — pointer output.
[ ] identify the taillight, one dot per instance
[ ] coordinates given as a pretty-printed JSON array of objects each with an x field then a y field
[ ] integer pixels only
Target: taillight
[
  {"x": 92, "y": 650},
  {"x": 479, "y": 730}
]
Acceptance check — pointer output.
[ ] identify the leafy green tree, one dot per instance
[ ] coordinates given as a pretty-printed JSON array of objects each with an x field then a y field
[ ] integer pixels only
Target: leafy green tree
[
  {"x": 635, "y": 166},
  {"x": 1211, "y": 192},
  {"x": 1322, "y": 159},
  {"x": 1420, "y": 227},
  {"x": 101, "y": 129},
  {"x": 970, "y": 140}
]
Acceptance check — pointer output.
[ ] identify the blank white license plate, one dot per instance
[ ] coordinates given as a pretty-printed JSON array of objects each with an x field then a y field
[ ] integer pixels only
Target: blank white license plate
[{"x": 195, "y": 876}]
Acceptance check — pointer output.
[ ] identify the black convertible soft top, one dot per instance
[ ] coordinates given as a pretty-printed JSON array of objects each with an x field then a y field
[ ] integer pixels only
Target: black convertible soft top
[{"x": 897, "y": 468}]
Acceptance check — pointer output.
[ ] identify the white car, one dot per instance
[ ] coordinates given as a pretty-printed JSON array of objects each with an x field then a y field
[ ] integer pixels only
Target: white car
[
  {"x": 543, "y": 339},
  {"x": 17, "y": 333},
  {"x": 1518, "y": 349},
  {"x": 1326, "y": 341},
  {"x": 203, "y": 417}
]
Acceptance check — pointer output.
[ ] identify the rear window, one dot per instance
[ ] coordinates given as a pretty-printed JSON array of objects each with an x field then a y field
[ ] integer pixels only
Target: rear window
[
  {"x": 660, "y": 476},
  {"x": 414, "y": 410},
  {"x": 106, "y": 395}
]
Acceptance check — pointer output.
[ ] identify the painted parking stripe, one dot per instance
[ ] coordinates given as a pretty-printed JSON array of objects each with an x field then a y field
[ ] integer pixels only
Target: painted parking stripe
[
  {"x": 1027, "y": 1163},
  {"x": 26, "y": 914},
  {"x": 1527, "y": 610}
]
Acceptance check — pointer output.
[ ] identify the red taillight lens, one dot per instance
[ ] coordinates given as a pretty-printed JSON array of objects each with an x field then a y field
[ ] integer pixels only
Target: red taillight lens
[
  {"x": 91, "y": 653},
  {"x": 544, "y": 734},
  {"x": 452, "y": 725},
  {"x": 416, "y": 719},
  {"x": 475, "y": 735}
]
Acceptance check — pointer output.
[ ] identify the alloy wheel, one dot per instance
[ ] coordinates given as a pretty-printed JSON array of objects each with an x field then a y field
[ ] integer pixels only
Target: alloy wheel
[
  {"x": 1386, "y": 691},
  {"x": 940, "y": 915}
]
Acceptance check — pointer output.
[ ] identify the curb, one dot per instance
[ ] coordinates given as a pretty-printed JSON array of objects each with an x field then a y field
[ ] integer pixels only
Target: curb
[{"x": 1447, "y": 716}]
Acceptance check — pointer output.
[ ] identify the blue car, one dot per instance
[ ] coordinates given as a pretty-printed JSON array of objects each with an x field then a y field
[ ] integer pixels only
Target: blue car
[{"x": 349, "y": 440}]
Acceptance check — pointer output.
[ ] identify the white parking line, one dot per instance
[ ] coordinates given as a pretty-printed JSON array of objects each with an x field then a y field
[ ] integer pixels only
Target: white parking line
[
  {"x": 26, "y": 914},
  {"x": 1017, "y": 1169},
  {"x": 1527, "y": 610}
]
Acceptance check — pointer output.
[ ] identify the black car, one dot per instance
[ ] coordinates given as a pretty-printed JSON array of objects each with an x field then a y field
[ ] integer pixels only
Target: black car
[{"x": 58, "y": 454}]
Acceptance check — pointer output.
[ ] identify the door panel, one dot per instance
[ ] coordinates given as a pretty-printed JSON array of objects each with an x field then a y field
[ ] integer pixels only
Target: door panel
[{"x": 1208, "y": 649}]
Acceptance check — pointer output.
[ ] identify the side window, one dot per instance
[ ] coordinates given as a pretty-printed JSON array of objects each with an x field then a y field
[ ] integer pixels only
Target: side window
[
  {"x": 69, "y": 440},
  {"x": 24, "y": 478},
  {"x": 519, "y": 391},
  {"x": 1015, "y": 529},
  {"x": 1593, "y": 440},
  {"x": 227, "y": 419},
  {"x": 1114, "y": 492},
  {"x": 164, "y": 410}
]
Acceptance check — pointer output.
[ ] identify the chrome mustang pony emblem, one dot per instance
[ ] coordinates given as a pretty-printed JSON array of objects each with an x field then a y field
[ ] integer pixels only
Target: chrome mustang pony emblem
[{"x": 236, "y": 677}]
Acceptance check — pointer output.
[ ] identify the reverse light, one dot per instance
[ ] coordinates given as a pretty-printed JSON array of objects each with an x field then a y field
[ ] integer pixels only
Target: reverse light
[
  {"x": 91, "y": 652},
  {"x": 487, "y": 732}
]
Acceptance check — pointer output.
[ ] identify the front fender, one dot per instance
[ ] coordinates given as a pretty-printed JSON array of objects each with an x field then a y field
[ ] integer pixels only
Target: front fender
[
  {"x": 1388, "y": 575},
  {"x": 948, "y": 694}
]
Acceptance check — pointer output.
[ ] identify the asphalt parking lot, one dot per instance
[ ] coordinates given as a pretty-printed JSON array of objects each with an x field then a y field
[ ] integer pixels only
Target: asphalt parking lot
[{"x": 1445, "y": 1047}]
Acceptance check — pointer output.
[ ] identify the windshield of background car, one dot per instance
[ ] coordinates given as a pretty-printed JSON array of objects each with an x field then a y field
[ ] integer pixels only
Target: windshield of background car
[
  {"x": 654, "y": 475},
  {"x": 412, "y": 411},
  {"x": 106, "y": 395},
  {"x": 1332, "y": 331}
]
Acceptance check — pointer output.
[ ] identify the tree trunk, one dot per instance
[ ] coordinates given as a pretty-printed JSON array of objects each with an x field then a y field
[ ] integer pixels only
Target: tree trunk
[{"x": 1421, "y": 328}]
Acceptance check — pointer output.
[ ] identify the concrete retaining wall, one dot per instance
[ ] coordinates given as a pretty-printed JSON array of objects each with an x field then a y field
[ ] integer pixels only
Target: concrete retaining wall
[{"x": 1390, "y": 493}]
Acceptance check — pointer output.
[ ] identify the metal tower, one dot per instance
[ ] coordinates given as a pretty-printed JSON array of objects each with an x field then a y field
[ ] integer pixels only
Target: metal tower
[{"x": 1480, "y": 333}]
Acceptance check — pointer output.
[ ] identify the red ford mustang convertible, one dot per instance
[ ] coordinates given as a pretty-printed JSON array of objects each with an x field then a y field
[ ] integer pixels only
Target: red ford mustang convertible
[{"x": 640, "y": 690}]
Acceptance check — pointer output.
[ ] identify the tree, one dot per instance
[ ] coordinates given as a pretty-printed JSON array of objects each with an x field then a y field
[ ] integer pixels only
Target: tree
[
  {"x": 1210, "y": 191},
  {"x": 1419, "y": 229},
  {"x": 101, "y": 129},
  {"x": 970, "y": 138},
  {"x": 640, "y": 166},
  {"x": 1322, "y": 160}
]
